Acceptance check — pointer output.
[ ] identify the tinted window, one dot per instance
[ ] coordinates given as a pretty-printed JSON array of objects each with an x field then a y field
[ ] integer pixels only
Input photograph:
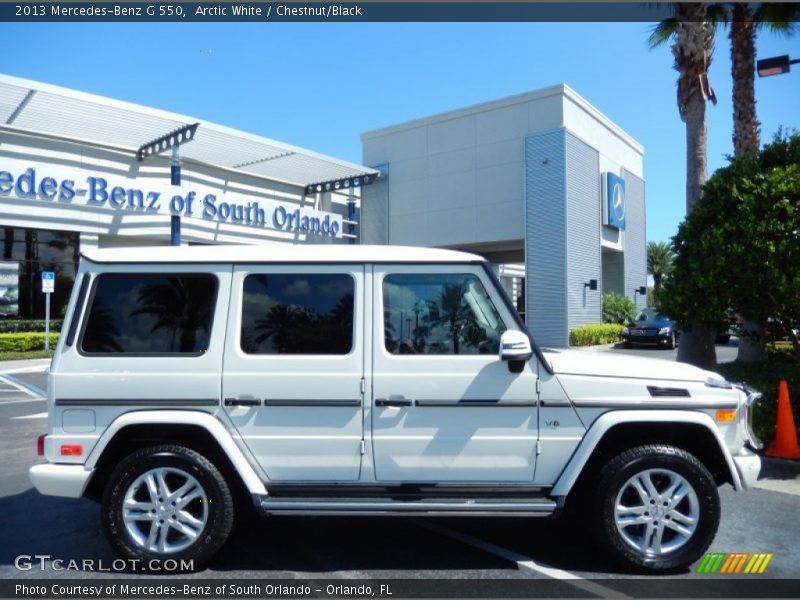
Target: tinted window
[
  {"x": 439, "y": 314},
  {"x": 150, "y": 313},
  {"x": 297, "y": 314}
]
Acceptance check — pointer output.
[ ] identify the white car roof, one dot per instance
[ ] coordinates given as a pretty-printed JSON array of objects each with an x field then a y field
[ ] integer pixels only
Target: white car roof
[{"x": 274, "y": 253}]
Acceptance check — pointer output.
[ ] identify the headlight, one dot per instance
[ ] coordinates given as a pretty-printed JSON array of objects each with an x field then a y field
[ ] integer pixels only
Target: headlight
[
  {"x": 625, "y": 331},
  {"x": 663, "y": 331},
  {"x": 716, "y": 381}
]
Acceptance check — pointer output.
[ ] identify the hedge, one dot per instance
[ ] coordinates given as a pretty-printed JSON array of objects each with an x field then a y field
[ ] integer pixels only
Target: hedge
[
  {"x": 25, "y": 342},
  {"x": 592, "y": 335},
  {"x": 20, "y": 325}
]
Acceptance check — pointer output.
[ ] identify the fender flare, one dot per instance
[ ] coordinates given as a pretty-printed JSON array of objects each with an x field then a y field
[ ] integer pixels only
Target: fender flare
[
  {"x": 606, "y": 421},
  {"x": 209, "y": 422}
]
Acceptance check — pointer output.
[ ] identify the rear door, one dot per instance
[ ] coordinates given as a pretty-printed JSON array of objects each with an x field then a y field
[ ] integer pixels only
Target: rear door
[{"x": 293, "y": 369}]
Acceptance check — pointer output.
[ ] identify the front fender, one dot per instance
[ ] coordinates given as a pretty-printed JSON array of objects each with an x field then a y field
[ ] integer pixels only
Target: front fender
[{"x": 605, "y": 422}]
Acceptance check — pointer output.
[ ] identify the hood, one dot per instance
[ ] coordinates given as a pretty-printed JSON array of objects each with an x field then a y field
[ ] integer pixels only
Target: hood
[
  {"x": 607, "y": 364},
  {"x": 650, "y": 324}
]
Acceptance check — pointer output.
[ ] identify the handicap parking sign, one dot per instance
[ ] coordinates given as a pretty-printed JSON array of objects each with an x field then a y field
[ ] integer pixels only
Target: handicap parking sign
[{"x": 48, "y": 282}]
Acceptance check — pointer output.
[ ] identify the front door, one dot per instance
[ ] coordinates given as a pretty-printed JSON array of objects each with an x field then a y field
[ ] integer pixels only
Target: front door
[
  {"x": 445, "y": 408},
  {"x": 294, "y": 363}
]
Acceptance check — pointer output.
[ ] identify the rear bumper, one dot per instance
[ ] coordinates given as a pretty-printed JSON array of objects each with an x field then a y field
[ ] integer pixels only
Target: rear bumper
[
  {"x": 59, "y": 480},
  {"x": 748, "y": 465}
]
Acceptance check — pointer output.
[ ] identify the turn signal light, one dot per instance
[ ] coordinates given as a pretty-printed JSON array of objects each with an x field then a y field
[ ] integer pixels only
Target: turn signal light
[
  {"x": 726, "y": 416},
  {"x": 40, "y": 445},
  {"x": 71, "y": 449}
]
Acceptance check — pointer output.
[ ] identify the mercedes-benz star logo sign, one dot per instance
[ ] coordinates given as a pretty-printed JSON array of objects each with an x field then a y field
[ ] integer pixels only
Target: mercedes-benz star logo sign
[{"x": 619, "y": 202}]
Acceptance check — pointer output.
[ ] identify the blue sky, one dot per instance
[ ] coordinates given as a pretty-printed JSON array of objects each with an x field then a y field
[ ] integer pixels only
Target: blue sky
[{"x": 320, "y": 85}]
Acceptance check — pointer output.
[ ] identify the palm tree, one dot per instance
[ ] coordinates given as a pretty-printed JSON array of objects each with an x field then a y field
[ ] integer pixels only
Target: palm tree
[
  {"x": 660, "y": 259},
  {"x": 693, "y": 47},
  {"x": 745, "y": 21}
]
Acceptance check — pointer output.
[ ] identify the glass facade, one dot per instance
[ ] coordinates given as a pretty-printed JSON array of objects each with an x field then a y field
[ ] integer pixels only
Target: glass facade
[{"x": 35, "y": 251}]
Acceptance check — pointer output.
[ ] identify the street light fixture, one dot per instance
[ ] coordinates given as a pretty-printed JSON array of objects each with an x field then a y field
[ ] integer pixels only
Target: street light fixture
[
  {"x": 171, "y": 141},
  {"x": 776, "y": 65}
]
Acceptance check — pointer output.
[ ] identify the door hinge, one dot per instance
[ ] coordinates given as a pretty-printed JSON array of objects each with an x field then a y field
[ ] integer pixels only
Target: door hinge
[
  {"x": 363, "y": 386},
  {"x": 363, "y": 447},
  {"x": 538, "y": 447},
  {"x": 538, "y": 386}
]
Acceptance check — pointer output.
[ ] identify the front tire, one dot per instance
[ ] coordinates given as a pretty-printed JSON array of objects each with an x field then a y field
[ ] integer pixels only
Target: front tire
[
  {"x": 657, "y": 508},
  {"x": 167, "y": 502}
]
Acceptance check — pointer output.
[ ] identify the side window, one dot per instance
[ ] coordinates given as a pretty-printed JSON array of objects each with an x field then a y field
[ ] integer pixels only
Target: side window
[
  {"x": 150, "y": 313},
  {"x": 303, "y": 313},
  {"x": 439, "y": 314}
]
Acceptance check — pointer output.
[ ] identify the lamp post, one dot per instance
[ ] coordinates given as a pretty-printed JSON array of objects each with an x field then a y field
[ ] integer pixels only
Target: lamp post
[
  {"x": 776, "y": 65},
  {"x": 172, "y": 141}
]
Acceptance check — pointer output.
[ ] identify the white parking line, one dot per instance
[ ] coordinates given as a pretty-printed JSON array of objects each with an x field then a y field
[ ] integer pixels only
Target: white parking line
[
  {"x": 37, "y": 399},
  {"x": 21, "y": 388},
  {"x": 527, "y": 562},
  {"x": 34, "y": 416}
]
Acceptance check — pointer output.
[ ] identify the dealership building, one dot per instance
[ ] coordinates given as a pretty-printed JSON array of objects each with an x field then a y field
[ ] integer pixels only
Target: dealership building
[
  {"x": 81, "y": 171},
  {"x": 543, "y": 184}
]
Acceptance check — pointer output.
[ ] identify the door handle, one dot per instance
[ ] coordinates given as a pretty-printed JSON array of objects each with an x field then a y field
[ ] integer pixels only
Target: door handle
[
  {"x": 392, "y": 402},
  {"x": 242, "y": 402}
]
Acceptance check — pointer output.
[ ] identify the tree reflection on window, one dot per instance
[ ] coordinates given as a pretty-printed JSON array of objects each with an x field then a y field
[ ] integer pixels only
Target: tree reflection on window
[
  {"x": 149, "y": 313},
  {"x": 297, "y": 314},
  {"x": 439, "y": 314}
]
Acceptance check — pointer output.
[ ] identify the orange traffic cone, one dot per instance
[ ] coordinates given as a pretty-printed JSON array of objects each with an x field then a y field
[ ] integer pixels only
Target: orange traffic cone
[{"x": 785, "y": 443}]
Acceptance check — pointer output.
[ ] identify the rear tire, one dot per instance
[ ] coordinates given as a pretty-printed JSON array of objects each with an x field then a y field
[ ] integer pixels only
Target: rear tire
[
  {"x": 657, "y": 509},
  {"x": 167, "y": 502}
]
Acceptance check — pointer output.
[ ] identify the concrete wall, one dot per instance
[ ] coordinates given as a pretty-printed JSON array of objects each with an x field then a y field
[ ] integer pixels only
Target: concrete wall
[
  {"x": 583, "y": 222},
  {"x": 545, "y": 238},
  {"x": 635, "y": 237}
]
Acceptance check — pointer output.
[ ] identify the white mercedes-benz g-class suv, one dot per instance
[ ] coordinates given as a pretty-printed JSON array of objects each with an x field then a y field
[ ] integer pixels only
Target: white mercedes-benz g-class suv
[{"x": 367, "y": 380}]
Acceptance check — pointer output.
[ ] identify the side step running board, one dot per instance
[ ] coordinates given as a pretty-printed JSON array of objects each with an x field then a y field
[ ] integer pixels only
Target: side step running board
[{"x": 539, "y": 507}]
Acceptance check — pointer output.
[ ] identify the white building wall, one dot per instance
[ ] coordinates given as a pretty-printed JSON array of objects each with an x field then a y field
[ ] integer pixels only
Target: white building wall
[{"x": 77, "y": 162}]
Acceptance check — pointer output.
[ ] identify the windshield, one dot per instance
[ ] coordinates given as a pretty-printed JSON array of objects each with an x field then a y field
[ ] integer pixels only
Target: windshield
[{"x": 650, "y": 314}]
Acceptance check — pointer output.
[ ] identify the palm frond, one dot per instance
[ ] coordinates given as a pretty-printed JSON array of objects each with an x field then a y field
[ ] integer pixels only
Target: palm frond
[{"x": 662, "y": 32}]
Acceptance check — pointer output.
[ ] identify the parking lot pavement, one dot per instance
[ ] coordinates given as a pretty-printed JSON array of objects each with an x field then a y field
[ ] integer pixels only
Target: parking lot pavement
[
  {"x": 725, "y": 352},
  {"x": 303, "y": 548},
  {"x": 22, "y": 381}
]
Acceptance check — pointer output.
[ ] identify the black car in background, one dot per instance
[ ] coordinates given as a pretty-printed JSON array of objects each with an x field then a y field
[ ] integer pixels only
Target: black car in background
[{"x": 650, "y": 328}]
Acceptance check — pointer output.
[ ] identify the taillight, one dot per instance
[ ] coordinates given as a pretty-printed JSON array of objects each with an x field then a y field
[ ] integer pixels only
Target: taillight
[
  {"x": 71, "y": 449},
  {"x": 40, "y": 445}
]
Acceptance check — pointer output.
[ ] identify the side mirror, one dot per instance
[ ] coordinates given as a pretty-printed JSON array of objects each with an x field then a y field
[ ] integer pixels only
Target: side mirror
[{"x": 515, "y": 345}]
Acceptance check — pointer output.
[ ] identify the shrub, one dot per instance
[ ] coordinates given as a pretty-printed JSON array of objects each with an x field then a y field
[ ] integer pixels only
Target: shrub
[
  {"x": 618, "y": 308},
  {"x": 19, "y": 325},
  {"x": 25, "y": 342},
  {"x": 592, "y": 335}
]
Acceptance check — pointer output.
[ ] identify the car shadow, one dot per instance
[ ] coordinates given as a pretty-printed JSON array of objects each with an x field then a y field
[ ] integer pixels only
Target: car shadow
[{"x": 65, "y": 528}]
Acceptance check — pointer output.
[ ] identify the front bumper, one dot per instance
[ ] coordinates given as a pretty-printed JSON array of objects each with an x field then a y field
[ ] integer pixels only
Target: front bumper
[
  {"x": 68, "y": 481},
  {"x": 651, "y": 339},
  {"x": 748, "y": 465}
]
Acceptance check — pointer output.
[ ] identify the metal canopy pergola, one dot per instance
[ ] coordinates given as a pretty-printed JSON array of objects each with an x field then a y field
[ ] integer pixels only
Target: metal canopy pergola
[{"x": 36, "y": 108}]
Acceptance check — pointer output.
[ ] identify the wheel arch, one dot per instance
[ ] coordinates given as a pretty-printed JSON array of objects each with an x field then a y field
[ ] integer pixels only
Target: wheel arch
[
  {"x": 199, "y": 431},
  {"x": 612, "y": 432}
]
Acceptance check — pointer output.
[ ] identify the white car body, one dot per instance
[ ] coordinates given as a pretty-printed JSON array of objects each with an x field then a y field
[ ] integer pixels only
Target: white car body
[{"x": 369, "y": 417}]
